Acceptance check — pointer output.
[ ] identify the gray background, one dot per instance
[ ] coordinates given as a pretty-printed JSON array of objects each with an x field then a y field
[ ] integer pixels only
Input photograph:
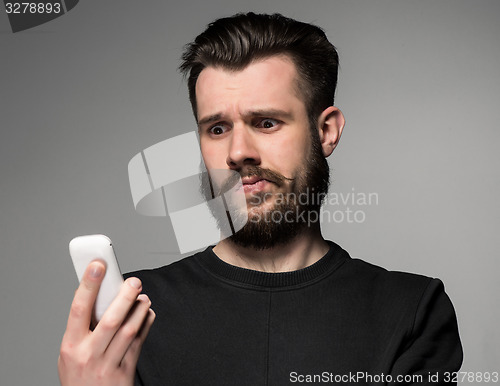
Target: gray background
[{"x": 81, "y": 95}]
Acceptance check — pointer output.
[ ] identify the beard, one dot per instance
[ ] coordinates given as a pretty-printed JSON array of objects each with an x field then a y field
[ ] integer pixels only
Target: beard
[{"x": 293, "y": 210}]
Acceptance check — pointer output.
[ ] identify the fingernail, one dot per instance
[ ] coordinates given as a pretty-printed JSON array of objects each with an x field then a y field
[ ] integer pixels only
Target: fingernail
[
  {"x": 135, "y": 282},
  {"x": 96, "y": 271},
  {"x": 143, "y": 298}
]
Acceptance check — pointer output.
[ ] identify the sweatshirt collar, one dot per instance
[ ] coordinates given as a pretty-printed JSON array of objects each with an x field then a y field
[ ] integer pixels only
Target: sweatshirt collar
[{"x": 331, "y": 260}]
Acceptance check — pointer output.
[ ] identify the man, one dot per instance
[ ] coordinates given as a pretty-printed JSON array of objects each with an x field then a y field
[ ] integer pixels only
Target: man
[{"x": 275, "y": 303}]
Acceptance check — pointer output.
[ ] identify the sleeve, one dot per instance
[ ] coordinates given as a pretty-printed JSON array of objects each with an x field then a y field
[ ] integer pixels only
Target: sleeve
[
  {"x": 433, "y": 351},
  {"x": 137, "y": 379}
]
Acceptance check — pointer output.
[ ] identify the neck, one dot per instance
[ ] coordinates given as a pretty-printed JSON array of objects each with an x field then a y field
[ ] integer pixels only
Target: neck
[{"x": 300, "y": 252}]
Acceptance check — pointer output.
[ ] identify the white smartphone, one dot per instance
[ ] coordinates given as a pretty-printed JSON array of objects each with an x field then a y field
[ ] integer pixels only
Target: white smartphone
[{"x": 83, "y": 250}]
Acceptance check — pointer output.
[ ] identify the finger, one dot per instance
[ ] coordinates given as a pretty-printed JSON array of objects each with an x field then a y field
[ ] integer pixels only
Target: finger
[
  {"x": 129, "y": 330},
  {"x": 131, "y": 357},
  {"x": 80, "y": 314},
  {"x": 115, "y": 314}
]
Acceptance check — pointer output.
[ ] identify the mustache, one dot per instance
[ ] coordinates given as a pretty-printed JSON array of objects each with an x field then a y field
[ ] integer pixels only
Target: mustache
[
  {"x": 251, "y": 171},
  {"x": 266, "y": 174}
]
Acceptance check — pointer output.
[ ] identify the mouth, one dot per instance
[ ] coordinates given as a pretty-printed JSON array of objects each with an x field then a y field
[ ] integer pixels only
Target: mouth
[
  {"x": 254, "y": 184},
  {"x": 251, "y": 180}
]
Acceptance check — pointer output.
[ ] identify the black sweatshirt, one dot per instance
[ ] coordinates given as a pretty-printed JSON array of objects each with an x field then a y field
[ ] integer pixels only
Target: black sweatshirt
[{"x": 338, "y": 321}]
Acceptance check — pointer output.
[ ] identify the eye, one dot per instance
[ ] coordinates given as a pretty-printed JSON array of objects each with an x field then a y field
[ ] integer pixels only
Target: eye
[
  {"x": 268, "y": 123},
  {"x": 217, "y": 130}
]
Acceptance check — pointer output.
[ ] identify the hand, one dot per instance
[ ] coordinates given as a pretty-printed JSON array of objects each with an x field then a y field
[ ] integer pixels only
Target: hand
[{"x": 107, "y": 355}]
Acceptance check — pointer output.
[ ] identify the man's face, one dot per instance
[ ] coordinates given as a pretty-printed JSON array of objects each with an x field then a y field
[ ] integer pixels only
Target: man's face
[{"x": 253, "y": 121}]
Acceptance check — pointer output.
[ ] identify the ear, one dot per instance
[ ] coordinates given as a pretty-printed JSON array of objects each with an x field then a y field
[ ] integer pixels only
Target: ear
[{"x": 330, "y": 125}]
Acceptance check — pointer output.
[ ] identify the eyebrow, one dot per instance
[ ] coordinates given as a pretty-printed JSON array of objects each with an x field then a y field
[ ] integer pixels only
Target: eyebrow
[
  {"x": 251, "y": 114},
  {"x": 210, "y": 119},
  {"x": 269, "y": 113}
]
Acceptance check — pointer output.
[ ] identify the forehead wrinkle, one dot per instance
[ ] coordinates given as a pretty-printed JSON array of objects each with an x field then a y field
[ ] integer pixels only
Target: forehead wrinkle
[{"x": 295, "y": 88}]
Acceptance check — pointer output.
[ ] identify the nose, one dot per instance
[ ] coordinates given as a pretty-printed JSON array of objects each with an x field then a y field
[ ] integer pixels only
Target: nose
[{"x": 242, "y": 149}]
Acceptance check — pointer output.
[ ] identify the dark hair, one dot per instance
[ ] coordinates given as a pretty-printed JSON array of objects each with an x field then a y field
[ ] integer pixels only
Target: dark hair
[{"x": 234, "y": 42}]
